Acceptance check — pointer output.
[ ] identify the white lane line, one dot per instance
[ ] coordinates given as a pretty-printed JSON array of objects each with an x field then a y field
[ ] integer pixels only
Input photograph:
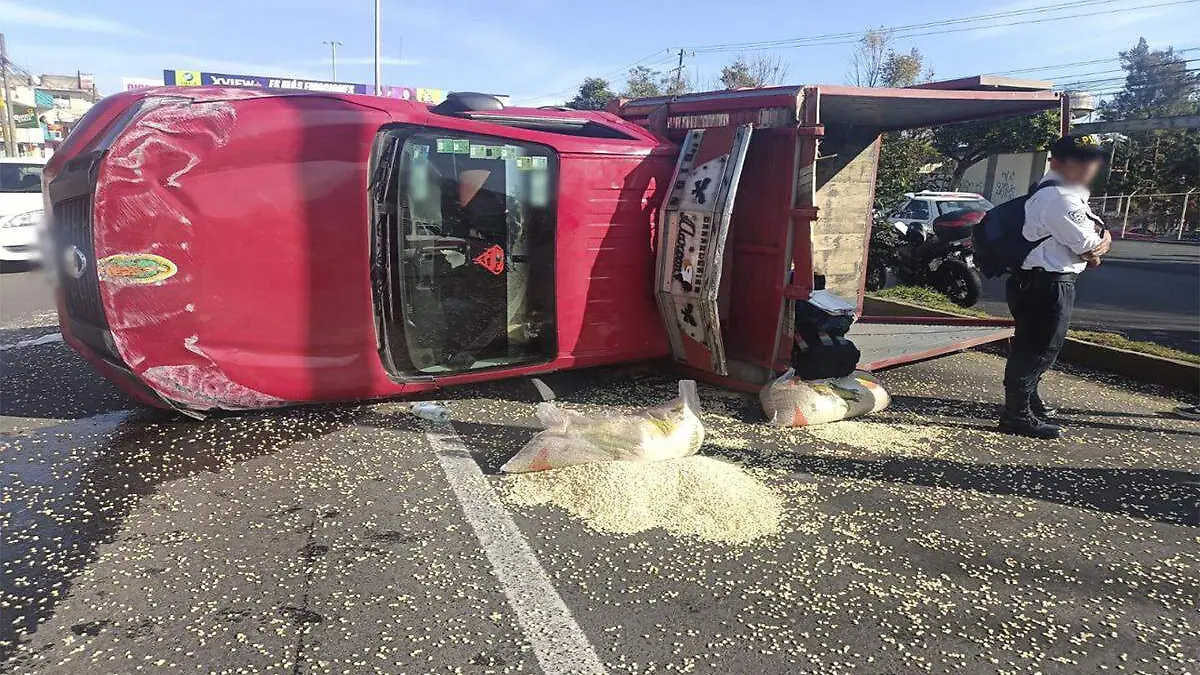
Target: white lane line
[
  {"x": 32, "y": 342},
  {"x": 558, "y": 642}
]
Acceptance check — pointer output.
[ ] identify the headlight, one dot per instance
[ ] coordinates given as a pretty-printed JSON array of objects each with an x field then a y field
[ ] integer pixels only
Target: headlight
[{"x": 22, "y": 219}]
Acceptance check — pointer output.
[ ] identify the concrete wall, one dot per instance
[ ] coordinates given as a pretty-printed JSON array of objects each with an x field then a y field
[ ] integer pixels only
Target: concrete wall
[
  {"x": 1003, "y": 177},
  {"x": 845, "y": 192}
]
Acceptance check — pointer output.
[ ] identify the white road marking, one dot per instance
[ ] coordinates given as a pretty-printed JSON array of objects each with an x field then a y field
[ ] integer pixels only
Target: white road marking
[
  {"x": 32, "y": 342},
  {"x": 558, "y": 642}
]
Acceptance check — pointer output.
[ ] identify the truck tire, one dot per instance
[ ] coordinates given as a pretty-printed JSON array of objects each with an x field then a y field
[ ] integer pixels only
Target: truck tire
[{"x": 960, "y": 282}]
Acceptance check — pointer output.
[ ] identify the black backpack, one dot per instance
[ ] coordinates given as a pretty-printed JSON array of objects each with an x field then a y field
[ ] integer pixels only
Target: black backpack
[{"x": 999, "y": 245}]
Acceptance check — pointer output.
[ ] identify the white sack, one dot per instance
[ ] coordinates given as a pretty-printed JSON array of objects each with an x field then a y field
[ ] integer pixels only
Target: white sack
[{"x": 668, "y": 431}]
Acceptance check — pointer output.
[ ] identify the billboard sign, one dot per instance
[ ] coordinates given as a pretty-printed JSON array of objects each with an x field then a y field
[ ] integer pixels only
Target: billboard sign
[{"x": 196, "y": 78}]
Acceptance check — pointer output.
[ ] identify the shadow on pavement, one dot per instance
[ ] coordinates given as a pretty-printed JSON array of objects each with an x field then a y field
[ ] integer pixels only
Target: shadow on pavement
[
  {"x": 69, "y": 487},
  {"x": 51, "y": 381},
  {"x": 986, "y": 414},
  {"x": 1151, "y": 494}
]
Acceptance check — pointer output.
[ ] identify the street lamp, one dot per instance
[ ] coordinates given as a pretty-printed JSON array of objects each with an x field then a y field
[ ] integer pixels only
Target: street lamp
[
  {"x": 378, "y": 47},
  {"x": 333, "y": 45}
]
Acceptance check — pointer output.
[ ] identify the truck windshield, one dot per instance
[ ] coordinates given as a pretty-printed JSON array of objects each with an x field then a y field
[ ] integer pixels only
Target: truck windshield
[{"x": 476, "y": 252}]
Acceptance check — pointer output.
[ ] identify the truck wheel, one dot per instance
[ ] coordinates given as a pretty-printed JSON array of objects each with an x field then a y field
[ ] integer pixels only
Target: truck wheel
[{"x": 959, "y": 282}]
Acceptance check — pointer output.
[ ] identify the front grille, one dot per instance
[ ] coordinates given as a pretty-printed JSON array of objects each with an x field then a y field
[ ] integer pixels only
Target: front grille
[{"x": 73, "y": 227}]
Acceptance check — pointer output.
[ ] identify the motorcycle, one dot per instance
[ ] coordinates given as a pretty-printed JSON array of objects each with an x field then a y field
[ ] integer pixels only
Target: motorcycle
[{"x": 942, "y": 260}]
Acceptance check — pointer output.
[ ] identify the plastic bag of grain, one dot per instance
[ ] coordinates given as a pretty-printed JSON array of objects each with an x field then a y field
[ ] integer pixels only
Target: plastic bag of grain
[
  {"x": 789, "y": 401},
  {"x": 668, "y": 431}
]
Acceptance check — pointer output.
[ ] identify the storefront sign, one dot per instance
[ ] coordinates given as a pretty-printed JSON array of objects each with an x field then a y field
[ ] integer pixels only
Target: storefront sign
[{"x": 131, "y": 83}]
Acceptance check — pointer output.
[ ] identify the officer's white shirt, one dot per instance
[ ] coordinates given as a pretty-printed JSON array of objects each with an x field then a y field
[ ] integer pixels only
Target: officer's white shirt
[{"x": 1060, "y": 212}]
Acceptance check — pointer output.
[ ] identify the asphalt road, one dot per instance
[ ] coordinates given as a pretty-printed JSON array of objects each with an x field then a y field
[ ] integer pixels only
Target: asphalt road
[
  {"x": 1143, "y": 290},
  {"x": 357, "y": 539}
]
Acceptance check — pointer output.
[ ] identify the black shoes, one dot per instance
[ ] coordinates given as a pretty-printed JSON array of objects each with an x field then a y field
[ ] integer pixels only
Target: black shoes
[
  {"x": 1040, "y": 410},
  {"x": 1029, "y": 426}
]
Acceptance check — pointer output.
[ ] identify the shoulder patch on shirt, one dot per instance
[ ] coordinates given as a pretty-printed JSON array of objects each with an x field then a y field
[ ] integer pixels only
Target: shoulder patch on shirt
[{"x": 1077, "y": 216}]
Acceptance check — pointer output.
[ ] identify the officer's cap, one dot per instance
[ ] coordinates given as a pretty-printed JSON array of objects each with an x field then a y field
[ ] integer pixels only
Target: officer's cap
[{"x": 1083, "y": 147}]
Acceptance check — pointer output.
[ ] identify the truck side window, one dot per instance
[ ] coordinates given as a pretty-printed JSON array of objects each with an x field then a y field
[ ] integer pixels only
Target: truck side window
[{"x": 476, "y": 252}]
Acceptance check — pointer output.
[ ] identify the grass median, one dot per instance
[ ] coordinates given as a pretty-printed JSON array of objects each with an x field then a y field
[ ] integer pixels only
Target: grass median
[{"x": 925, "y": 297}]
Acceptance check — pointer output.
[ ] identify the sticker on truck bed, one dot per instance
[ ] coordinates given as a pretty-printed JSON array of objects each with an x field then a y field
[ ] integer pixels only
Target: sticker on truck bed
[
  {"x": 693, "y": 227},
  {"x": 135, "y": 268}
]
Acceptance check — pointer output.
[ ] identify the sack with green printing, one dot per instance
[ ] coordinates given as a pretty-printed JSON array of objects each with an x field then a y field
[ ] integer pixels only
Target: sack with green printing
[{"x": 789, "y": 401}]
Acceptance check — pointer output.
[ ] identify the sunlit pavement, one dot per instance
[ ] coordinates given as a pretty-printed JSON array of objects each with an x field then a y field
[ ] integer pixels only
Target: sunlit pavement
[
  {"x": 356, "y": 539},
  {"x": 1146, "y": 290}
]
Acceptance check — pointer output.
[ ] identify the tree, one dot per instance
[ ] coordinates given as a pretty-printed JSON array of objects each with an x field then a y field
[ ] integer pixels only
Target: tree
[
  {"x": 1158, "y": 83},
  {"x": 674, "y": 85},
  {"x": 866, "y": 63},
  {"x": 754, "y": 72},
  {"x": 969, "y": 142},
  {"x": 593, "y": 94},
  {"x": 875, "y": 63},
  {"x": 902, "y": 154},
  {"x": 644, "y": 82},
  {"x": 905, "y": 70}
]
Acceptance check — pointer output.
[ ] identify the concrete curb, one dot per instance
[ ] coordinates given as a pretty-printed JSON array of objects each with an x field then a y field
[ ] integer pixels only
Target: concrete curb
[{"x": 1159, "y": 370}]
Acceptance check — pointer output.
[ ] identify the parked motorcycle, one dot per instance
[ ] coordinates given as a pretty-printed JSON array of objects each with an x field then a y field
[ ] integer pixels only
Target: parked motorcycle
[{"x": 941, "y": 260}]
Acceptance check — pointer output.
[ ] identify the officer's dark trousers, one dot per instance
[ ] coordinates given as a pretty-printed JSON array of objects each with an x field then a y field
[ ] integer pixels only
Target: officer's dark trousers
[{"x": 1041, "y": 304}]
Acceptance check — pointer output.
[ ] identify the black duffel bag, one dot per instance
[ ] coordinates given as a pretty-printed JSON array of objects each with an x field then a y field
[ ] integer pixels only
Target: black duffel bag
[{"x": 817, "y": 355}]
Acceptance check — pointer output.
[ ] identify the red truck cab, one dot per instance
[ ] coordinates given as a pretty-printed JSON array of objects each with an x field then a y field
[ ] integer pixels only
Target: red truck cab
[{"x": 235, "y": 249}]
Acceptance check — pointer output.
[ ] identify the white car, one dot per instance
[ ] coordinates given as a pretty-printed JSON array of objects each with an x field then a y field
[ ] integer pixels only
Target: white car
[
  {"x": 20, "y": 208},
  {"x": 921, "y": 208}
]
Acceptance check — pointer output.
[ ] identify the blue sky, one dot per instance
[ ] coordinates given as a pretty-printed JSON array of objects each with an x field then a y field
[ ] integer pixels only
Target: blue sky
[{"x": 538, "y": 50}]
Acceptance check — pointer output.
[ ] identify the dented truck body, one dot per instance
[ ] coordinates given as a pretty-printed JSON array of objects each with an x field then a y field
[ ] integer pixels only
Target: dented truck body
[
  {"x": 242, "y": 249},
  {"x": 215, "y": 248}
]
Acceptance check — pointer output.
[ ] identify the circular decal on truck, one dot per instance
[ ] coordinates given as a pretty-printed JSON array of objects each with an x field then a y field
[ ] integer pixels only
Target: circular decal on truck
[{"x": 135, "y": 268}]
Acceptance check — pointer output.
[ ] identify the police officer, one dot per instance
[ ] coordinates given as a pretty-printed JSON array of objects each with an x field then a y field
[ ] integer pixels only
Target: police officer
[{"x": 1042, "y": 293}]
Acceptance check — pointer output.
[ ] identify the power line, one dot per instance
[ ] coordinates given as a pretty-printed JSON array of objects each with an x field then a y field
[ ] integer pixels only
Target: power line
[
  {"x": 1052, "y": 66},
  {"x": 663, "y": 55},
  {"x": 857, "y": 35},
  {"x": 816, "y": 41},
  {"x": 1165, "y": 79},
  {"x": 1121, "y": 73}
]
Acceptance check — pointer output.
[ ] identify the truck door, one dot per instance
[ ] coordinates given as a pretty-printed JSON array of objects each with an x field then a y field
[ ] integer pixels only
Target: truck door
[{"x": 691, "y": 242}]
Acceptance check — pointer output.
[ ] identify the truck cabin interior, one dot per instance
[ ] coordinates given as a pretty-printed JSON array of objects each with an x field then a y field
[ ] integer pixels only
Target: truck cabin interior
[{"x": 801, "y": 214}]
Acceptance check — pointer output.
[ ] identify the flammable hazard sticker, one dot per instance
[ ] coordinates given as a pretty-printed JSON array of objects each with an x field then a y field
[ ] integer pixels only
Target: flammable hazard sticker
[{"x": 491, "y": 260}]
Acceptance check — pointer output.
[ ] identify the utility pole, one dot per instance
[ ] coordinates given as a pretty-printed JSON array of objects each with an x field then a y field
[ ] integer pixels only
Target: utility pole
[
  {"x": 678, "y": 86},
  {"x": 378, "y": 47},
  {"x": 333, "y": 45},
  {"x": 10, "y": 128}
]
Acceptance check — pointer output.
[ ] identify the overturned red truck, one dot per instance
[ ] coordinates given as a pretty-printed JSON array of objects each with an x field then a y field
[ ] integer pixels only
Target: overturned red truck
[{"x": 237, "y": 249}]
